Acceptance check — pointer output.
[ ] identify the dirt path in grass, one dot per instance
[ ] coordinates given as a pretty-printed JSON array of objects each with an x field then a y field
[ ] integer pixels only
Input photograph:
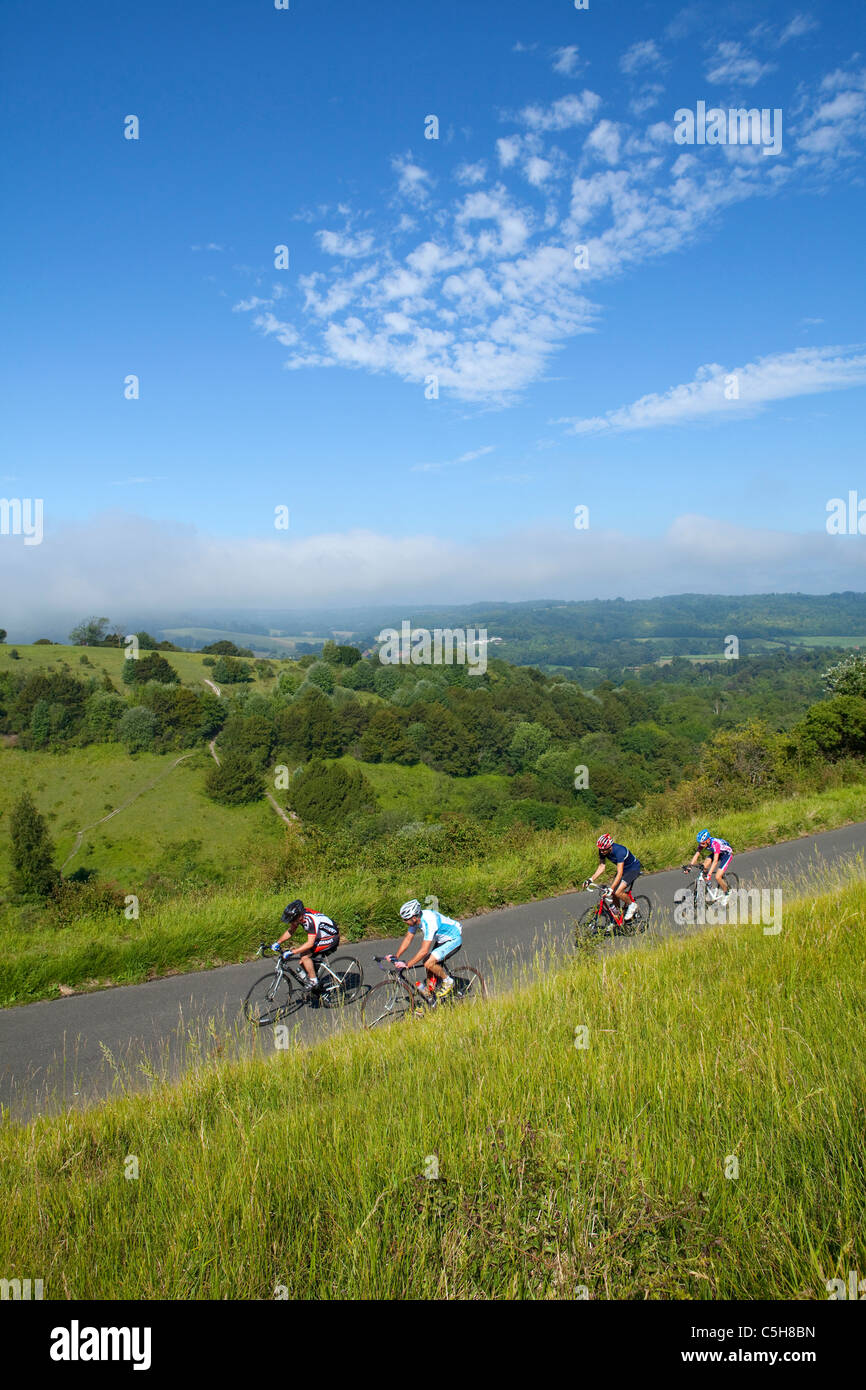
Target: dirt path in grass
[
  {"x": 290, "y": 817},
  {"x": 80, "y": 834}
]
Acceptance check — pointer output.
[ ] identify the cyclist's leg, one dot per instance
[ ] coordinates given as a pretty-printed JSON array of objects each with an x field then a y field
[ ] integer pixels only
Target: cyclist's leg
[
  {"x": 723, "y": 866},
  {"x": 436, "y": 960},
  {"x": 627, "y": 894},
  {"x": 320, "y": 949}
]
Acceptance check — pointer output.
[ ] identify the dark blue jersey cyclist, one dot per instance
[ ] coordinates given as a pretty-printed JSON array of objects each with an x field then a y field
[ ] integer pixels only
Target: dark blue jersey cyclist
[{"x": 628, "y": 870}]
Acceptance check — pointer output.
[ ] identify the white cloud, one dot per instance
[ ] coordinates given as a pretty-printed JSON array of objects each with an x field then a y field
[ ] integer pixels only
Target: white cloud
[
  {"x": 645, "y": 54},
  {"x": 343, "y": 244},
  {"x": 604, "y": 141},
  {"x": 283, "y": 332},
  {"x": 806, "y": 371},
  {"x": 645, "y": 98},
  {"x": 563, "y": 114},
  {"x": 801, "y": 24},
  {"x": 566, "y": 60},
  {"x": 732, "y": 64},
  {"x": 413, "y": 182},
  {"x": 832, "y": 128},
  {"x": 138, "y": 566},
  {"x": 469, "y": 457},
  {"x": 471, "y": 173},
  {"x": 484, "y": 292}
]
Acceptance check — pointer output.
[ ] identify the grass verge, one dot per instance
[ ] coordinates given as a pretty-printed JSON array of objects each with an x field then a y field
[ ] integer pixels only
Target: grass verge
[{"x": 560, "y": 1168}]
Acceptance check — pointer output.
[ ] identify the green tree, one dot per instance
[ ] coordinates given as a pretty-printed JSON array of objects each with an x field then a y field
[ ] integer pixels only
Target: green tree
[
  {"x": 152, "y": 667},
  {"x": 847, "y": 677},
  {"x": 327, "y": 796},
  {"x": 230, "y": 671},
  {"x": 89, "y": 633},
  {"x": 33, "y": 871},
  {"x": 528, "y": 742},
  {"x": 137, "y": 729},
  {"x": 833, "y": 728},
  {"x": 235, "y": 782},
  {"x": 322, "y": 675}
]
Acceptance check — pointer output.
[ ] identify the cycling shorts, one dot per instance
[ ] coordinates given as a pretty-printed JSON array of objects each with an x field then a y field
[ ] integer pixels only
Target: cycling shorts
[
  {"x": 724, "y": 860},
  {"x": 324, "y": 945},
  {"x": 631, "y": 876},
  {"x": 447, "y": 948}
]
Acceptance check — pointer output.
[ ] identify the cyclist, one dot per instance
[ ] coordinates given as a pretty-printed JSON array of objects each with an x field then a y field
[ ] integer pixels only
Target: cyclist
[
  {"x": 628, "y": 871},
  {"x": 323, "y": 937},
  {"x": 441, "y": 937},
  {"x": 718, "y": 858}
]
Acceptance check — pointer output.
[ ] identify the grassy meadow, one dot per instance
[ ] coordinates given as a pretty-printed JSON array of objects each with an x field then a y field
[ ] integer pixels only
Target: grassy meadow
[{"x": 705, "y": 1143}]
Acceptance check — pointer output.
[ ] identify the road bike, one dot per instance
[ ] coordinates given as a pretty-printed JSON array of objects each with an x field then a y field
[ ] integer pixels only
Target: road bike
[
  {"x": 703, "y": 886},
  {"x": 603, "y": 919},
  {"x": 398, "y": 998},
  {"x": 281, "y": 992}
]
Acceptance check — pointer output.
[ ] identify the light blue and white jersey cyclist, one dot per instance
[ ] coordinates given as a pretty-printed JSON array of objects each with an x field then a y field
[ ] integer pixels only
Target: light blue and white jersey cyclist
[{"x": 445, "y": 933}]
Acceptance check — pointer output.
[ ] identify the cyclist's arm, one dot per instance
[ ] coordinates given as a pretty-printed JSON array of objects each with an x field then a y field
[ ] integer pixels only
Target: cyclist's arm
[
  {"x": 617, "y": 878},
  {"x": 404, "y": 945},
  {"x": 599, "y": 871},
  {"x": 423, "y": 952},
  {"x": 696, "y": 857}
]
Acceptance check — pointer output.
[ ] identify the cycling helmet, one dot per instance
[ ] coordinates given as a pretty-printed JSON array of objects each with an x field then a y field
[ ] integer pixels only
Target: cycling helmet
[
  {"x": 604, "y": 843},
  {"x": 703, "y": 836},
  {"x": 294, "y": 912},
  {"x": 410, "y": 909}
]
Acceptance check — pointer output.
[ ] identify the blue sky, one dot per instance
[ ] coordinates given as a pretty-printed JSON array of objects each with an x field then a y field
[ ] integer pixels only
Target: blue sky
[{"x": 601, "y": 385}]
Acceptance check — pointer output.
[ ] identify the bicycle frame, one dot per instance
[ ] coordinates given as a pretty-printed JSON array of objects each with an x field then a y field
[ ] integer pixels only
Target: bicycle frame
[{"x": 605, "y": 907}]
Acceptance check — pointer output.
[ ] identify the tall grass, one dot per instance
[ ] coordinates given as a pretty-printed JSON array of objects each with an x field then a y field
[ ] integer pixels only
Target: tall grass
[{"x": 560, "y": 1168}]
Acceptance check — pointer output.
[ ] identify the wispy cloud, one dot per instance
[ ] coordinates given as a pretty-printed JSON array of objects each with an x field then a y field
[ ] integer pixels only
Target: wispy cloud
[
  {"x": 136, "y": 482},
  {"x": 469, "y": 457},
  {"x": 641, "y": 55},
  {"x": 473, "y": 279},
  {"x": 732, "y": 64},
  {"x": 566, "y": 61},
  {"x": 727, "y": 393}
]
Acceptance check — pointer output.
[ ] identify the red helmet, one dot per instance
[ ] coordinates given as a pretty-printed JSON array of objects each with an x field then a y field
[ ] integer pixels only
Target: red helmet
[{"x": 604, "y": 843}]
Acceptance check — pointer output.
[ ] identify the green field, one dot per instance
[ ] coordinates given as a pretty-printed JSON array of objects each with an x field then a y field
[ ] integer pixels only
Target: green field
[
  {"x": 256, "y": 641},
  {"x": 189, "y": 665},
  {"x": 701, "y": 1139},
  {"x": 161, "y": 804}
]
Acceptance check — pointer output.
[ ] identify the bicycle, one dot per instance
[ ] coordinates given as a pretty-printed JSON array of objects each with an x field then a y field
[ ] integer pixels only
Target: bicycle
[
  {"x": 398, "y": 998},
  {"x": 602, "y": 918},
  {"x": 732, "y": 881},
  {"x": 276, "y": 995}
]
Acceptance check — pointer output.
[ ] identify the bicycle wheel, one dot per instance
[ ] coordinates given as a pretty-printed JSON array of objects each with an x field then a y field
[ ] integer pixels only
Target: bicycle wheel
[
  {"x": 269, "y": 999},
  {"x": 641, "y": 919},
  {"x": 346, "y": 987},
  {"x": 468, "y": 984},
  {"x": 387, "y": 1003},
  {"x": 591, "y": 924}
]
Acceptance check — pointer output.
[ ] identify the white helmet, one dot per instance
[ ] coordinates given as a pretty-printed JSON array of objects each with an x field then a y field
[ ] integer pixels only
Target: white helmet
[{"x": 411, "y": 909}]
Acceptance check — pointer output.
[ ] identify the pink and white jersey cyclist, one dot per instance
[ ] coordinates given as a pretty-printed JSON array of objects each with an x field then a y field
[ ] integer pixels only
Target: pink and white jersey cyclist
[{"x": 716, "y": 854}]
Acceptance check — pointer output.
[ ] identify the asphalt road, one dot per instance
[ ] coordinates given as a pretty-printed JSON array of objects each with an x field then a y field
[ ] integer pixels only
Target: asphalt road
[{"x": 73, "y": 1051}]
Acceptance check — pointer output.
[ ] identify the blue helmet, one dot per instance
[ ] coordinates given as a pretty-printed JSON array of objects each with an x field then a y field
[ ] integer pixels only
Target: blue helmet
[{"x": 703, "y": 836}]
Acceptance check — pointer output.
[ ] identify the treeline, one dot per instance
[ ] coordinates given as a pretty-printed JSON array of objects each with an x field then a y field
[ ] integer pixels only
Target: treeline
[{"x": 55, "y": 710}]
